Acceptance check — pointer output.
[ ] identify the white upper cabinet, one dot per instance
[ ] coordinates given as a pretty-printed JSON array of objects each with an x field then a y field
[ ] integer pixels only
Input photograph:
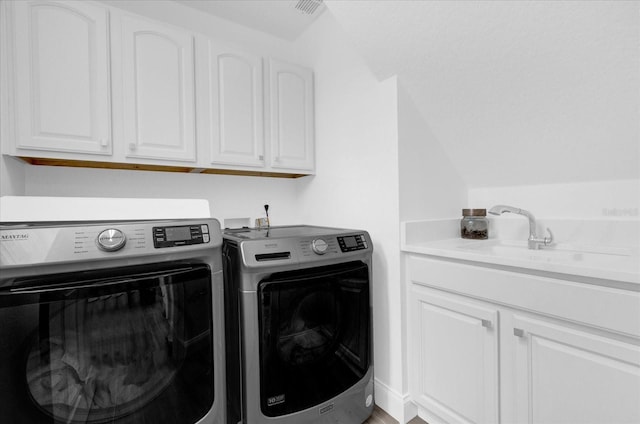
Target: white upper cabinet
[
  {"x": 234, "y": 105},
  {"x": 158, "y": 89},
  {"x": 61, "y": 72},
  {"x": 291, "y": 116},
  {"x": 88, "y": 83}
]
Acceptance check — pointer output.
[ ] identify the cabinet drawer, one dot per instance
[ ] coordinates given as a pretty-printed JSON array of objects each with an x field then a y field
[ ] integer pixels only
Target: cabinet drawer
[{"x": 602, "y": 307}]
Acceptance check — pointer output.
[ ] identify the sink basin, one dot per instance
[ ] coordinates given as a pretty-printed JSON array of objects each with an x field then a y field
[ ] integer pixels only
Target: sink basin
[{"x": 556, "y": 253}]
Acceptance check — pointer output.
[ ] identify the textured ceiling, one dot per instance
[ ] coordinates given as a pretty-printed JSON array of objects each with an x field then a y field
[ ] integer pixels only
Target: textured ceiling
[
  {"x": 276, "y": 17},
  {"x": 516, "y": 92}
]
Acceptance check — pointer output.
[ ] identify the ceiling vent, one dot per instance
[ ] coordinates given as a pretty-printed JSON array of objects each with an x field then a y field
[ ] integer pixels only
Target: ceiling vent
[{"x": 308, "y": 6}]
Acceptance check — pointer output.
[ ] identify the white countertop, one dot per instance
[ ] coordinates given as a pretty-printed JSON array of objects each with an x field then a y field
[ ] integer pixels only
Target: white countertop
[{"x": 618, "y": 263}]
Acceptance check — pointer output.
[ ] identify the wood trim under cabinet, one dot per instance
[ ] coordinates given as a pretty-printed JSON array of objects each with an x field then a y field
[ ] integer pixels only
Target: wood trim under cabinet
[{"x": 160, "y": 168}]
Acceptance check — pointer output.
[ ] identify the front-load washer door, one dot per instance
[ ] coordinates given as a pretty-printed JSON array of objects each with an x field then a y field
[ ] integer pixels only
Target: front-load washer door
[
  {"x": 314, "y": 335},
  {"x": 125, "y": 345}
]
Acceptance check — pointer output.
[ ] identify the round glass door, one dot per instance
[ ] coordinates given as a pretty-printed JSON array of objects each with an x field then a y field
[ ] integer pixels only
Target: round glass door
[
  {"x": 118, "y": 359},
  {"x": 315, "y": 335}
]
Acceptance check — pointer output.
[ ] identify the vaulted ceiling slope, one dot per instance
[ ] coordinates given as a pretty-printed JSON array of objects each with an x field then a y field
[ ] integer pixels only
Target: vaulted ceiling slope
[{"x": 519, "y": 92}]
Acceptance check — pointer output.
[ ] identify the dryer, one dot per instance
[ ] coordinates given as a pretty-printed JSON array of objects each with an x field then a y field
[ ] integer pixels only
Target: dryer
[
  {"x": 115, "y": 322},
  {"x": 298, "y": 325}
]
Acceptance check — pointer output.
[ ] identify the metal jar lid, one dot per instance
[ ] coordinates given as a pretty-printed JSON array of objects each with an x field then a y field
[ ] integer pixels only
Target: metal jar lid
[{"x": 474, "y": 212}]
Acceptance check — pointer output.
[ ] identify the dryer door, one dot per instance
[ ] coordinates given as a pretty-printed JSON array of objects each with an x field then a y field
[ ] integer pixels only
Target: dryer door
[{"x": 314, "y": 335}]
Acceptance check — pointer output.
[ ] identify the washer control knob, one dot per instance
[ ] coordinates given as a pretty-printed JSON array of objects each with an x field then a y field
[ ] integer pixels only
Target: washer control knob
[
  {"x": 319, "y": 246},
  {"x": 111, "y": 240}
]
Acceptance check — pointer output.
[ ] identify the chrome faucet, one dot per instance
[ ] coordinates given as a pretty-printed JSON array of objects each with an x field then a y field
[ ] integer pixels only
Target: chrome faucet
[{"x": 534, "y": 242}]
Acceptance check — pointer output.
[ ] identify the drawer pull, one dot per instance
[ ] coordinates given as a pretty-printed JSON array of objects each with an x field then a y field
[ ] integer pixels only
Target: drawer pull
[
  {"x": 486, "y": 323},
  {"x": 518, "y": 332}
]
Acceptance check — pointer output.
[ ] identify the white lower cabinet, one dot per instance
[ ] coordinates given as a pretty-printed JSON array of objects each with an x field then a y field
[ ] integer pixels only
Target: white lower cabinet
[
  {"x": 456, "y": 356},
  {"x": 490, "y": 346},
  {"x": 564, "y": 375}
]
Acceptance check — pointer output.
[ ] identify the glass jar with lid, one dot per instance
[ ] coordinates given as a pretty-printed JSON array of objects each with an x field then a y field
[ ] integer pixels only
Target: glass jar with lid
[{"x": 474, "y": 224}]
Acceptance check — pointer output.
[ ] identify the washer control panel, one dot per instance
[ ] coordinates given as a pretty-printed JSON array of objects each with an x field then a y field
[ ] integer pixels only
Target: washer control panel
[
  {"x": 180, "y": 235},
  {"x": 23, "y": 244},
  {"x": 352, "y": 243}
]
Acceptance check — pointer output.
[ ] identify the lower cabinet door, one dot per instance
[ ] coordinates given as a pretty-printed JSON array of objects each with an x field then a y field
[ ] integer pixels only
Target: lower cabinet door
[
  {"x": 564, "y": 375},
  {"x": 454, "y": 357}
]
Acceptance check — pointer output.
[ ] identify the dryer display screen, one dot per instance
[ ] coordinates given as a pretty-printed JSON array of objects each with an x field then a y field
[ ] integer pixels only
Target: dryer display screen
[{"x": 351, "y": 243}]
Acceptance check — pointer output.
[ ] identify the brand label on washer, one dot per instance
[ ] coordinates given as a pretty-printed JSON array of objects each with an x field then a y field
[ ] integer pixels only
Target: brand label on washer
[
  {"x": 275, "y": 400},
  {"x": 326, "y": 408}
]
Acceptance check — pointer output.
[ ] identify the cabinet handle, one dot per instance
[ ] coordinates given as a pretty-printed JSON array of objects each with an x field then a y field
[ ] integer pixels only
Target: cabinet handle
[
  {"x": 261, "y": 157},
  {"x": 133, "y": 146},
  {"x": 518, "y": 332},
  {"x": 104, "y": 142},
  {"x": 486, "y": 323}
]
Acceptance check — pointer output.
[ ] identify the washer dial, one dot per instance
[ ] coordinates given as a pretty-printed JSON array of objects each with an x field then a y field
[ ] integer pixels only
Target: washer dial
[
  {"x": 319, "y": 246},
  {"x": 111, "y": 240}
]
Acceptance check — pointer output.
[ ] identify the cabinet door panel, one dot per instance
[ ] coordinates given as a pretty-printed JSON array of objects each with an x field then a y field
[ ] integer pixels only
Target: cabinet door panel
[
  {"x": 565, "y": 375},
  {"x": 236, "y": 105},
  {"x": 62, "y": 77},
  {"x": 158, "y": 91},
  {"x": 291, "y": 116},
  {"x": 456, "y": 357}
]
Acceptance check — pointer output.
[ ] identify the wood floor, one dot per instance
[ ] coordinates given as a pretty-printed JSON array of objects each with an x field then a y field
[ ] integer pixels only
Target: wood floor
[{"x": 381, "y": 417}]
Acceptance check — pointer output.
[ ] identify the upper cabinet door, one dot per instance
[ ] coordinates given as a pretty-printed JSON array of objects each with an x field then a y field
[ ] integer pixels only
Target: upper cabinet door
[
  {"x": 291, "y": 117},
  {"x": 61, "y": 75},
  {"x": 158, "y": 90},
  {"x": 235, "y": 105}
]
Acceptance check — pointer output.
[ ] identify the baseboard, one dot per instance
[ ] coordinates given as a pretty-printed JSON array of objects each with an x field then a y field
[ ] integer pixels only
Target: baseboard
[{"x": 399, "y": 406}]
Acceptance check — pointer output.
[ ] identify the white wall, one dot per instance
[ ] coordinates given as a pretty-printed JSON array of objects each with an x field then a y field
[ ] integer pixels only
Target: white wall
[
  {"x": 600, "y": 199},
  {"x": 229, "y": 196},
  {"x": 357, "y": 181},
  {"x": 517, "y": 92},
  {"x": 12, "y": 176},
  {"x": 430, "y": 187}
]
